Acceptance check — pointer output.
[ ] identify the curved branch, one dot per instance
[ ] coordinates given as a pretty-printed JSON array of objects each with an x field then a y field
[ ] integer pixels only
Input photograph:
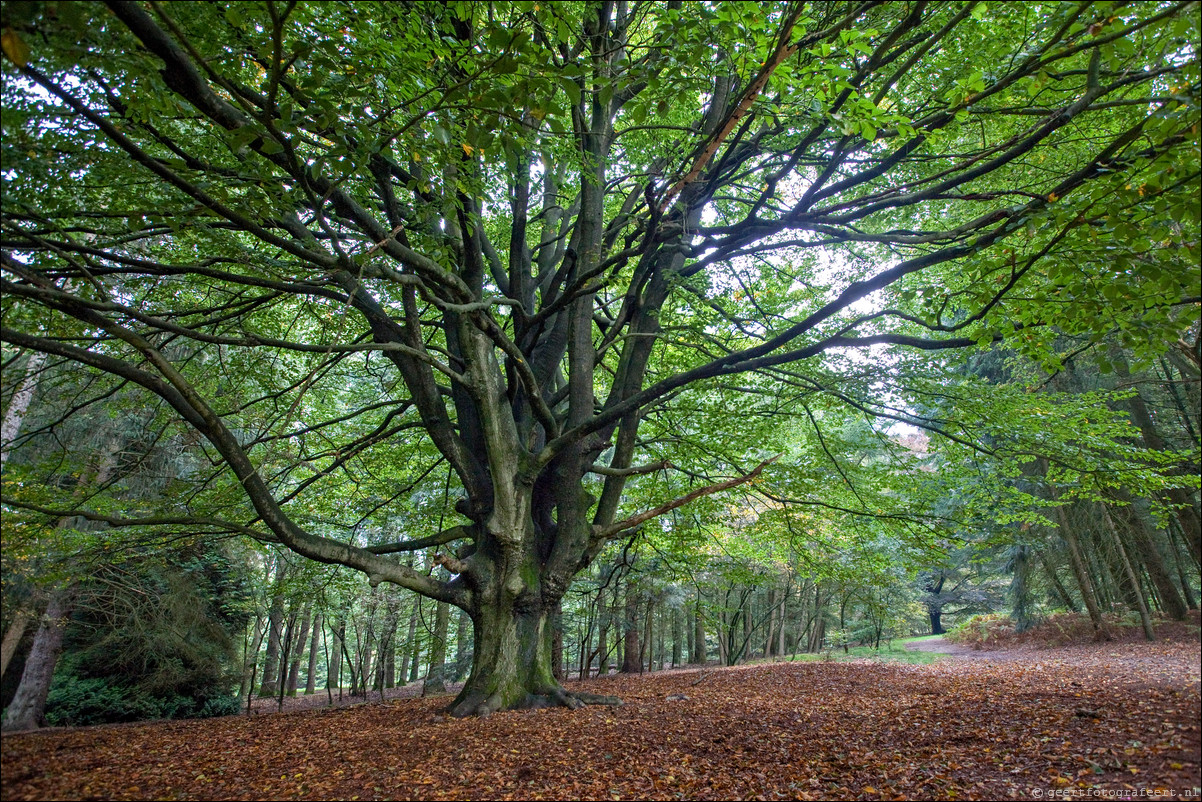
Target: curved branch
[{"x": 616, "y": 529}]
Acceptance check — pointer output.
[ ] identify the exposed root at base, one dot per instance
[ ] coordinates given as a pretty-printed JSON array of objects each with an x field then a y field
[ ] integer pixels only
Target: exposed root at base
[
  {"x": 547, "y": 697},
  {"x": 558, "y": 697}
]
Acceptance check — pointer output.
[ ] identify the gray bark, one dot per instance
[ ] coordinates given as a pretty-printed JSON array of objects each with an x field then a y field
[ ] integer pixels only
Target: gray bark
[
  {"x": 22, "y": 618},
  {"x": 28, "y": 708},
  {"x": 19, "y": 405},
  {"x": 436, "y": 673},
  {"x": 311, "y": 675}
]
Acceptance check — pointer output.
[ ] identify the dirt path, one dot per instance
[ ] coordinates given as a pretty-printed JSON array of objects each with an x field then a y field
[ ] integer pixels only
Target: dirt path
[{"x": 944, "y": 646}]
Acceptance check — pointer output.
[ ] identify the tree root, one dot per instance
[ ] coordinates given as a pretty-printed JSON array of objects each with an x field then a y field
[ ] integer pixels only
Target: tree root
[
  {"x": 544, "y": 698},
  {"x": 558, "y": 697}
]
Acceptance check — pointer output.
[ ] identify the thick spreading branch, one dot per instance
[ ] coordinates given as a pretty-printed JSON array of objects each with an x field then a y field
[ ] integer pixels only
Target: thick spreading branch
[{"x": 616, "y": 529}]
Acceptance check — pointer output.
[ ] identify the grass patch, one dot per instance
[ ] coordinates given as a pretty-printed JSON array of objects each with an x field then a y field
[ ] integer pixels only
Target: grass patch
[{"x": 890, "y": 651}]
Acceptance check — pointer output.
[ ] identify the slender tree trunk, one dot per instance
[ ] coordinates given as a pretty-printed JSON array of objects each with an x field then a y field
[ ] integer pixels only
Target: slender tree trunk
[
  {"x": 415, "y": 657},
  {"x": 436, "y": 673},
  {"x": 632, "y": 660},
  {"x": 690, "y": 626},
  {"x": 380, "y": 680},
  {"x": 366, "y": 654},
  {"x": 1081, "y": 572},
  {"x": 250, "y": 662},
  {"x": 746, "y": 609},
  {"x": 302, "y": 638},
  {"x": 780, "y": 628},
  {"x": 348, "y": 662},
  {"x": 1144, "y": 618},
  {"x": 647, "y": 657},
  {"x": 770, "y": 635},
  {"x": 28, "y": 707},
  {"x": 390, "y": 668},
  {"x": 1182, "y": 499},
  {"x": 603, "y": 646},
  {"x": 19, "y": 404},
  {"x": 311, "y": 675},
  {"x": 286, "y": 642},
  {"x": 677, "y": 637},
  {"x": 1186, "y": 590},
  {"x": 1137, "y": 525},
  {"x": 22, "y": 618},
  {"x": 275, "y": 626},
  {"x": 410, "y": 640},
  {"x": 334, "y": 663},
  {"x": 1057, "y": 585},
  {"x": 699, "y": 650}
]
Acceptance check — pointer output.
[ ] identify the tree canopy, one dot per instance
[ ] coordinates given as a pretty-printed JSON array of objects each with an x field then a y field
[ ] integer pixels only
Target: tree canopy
[{"x": 461, "y": 274}]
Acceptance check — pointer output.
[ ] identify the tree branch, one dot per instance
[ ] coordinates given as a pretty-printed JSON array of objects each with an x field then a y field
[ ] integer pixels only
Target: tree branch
[{"x": 615, "y": 529}]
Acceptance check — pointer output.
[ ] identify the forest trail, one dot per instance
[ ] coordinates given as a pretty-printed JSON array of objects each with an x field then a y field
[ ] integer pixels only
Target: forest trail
[
  {"x": 942, "y": 645},
  {"x": 1115, "y": 716}
]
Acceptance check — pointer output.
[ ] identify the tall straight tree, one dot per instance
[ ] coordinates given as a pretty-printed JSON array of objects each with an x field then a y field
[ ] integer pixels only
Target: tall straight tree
[{"x": 492, "y": 238}]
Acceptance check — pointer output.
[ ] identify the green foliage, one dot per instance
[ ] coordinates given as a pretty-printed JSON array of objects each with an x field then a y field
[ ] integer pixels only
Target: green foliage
[
  {"x": 390, "y": 270},
  {"x": 153, "y": 637},
  {"x": 77, "y": 701}
]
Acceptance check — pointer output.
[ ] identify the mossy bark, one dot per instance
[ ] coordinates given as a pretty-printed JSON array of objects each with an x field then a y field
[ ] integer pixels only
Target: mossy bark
[{"x": 512, "y": 665}]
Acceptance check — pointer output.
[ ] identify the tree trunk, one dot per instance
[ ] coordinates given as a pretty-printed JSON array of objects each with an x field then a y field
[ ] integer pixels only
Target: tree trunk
[
  {"x": 19, "y": 404},
  {"x": 22, "y": 618},
  {"x": 410, "y": 640},
  {"x": 298, "y": 651},
  {"x": 463, "y": 646},
  {"x": 773, "y": 623},
  {"x": 390, "y": 668},
  {"x": 28, "y": 708},
  {"x": 1057, "y": 585},
  {"x": 677, "y": 637},
  {"x": 699, "y": 650},
  {"x": 271, "y": 664},
  {"x": 1182, "y": 499},
  {"x": 936, "y": 613},
  {"x": 632, "y": 660},
  {"x": 334, "y": 662},
  {"x": 1144, "y": 619},
  {"x": 1186, "y": 590},
  {"x": 415, "y": 659},
  {"x": 780, "y": 629},
  {"x": 311, "y": 676},
  {"x": 1084, "y": 584},
  {"x": 557, "y": 643},
  {"x": 511, "y": 663},
  {"x": 647, "y": 657},
  {"x": 436, "y": 673},
  {"x": 287, "y": 644},
  {"x": 603, "y": 645},
  {"x": 1140, "y": 530}
]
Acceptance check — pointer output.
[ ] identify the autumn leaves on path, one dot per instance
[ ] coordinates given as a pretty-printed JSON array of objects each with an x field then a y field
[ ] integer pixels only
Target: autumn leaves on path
[{"x": 1122, "y": 716}]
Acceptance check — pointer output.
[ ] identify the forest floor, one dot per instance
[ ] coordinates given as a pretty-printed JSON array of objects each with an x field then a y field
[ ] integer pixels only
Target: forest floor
[{"x": 1033, "y": 723}]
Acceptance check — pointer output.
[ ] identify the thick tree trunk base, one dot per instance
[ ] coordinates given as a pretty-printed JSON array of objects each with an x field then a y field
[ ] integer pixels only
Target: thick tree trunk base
[
  {"x": 477, "y": 705},
  {"x": 512, "y": 667}
]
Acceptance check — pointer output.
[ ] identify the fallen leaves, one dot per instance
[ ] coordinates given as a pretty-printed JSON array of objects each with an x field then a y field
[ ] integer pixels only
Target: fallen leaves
[{"x": 971, "y": 729}]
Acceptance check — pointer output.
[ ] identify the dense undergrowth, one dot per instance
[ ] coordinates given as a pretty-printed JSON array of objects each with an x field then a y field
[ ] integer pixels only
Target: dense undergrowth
[{"x": 997, "y": 630}]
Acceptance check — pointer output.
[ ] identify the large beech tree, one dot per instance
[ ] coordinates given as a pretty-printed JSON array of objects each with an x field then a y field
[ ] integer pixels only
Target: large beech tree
[{"x": 462, "y": 249}]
